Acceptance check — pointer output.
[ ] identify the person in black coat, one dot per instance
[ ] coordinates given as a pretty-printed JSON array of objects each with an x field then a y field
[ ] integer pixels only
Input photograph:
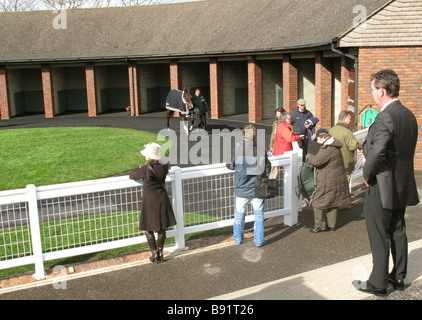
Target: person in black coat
[
  {"x": 301, "y": 127},
  {"x": 156, "y": 209},
  {"x": 388, "y": 172}
]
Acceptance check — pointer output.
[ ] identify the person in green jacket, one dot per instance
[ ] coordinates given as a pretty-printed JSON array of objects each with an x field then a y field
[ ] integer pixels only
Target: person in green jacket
[
  {"x": 200, "y": 108},
  {"x": 342, "y": 132}
]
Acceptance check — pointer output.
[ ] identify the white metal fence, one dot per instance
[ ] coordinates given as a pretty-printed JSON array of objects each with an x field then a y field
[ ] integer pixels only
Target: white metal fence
[{"x": 38, "y": 224}]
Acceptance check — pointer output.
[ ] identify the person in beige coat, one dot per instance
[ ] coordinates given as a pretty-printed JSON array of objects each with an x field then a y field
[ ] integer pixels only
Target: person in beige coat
[{"x": 332, "y": 189}]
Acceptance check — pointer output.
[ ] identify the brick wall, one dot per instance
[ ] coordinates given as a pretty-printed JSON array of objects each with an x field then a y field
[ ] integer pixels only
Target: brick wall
[
  {"x": 323, "y": 91},
  {"x": 255, "y": 91},
  {"x": 216, "y": 89},
  {"x": 4, "y": 94},
  {"x": 91, "y": 89},
  {"x": 176, "y": 78},
  {"x": 347, "y": 87},
  {"x": 290, "y": 83},
  {"x": 175, "y": 75},
  {"x": 47, "y": 85},
  {"x": 134, "y": 89},
  {"x": 407, "y": 62}
]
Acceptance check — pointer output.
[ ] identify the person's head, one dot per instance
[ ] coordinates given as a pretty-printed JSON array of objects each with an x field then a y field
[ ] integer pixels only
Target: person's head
[
  {"x": 152, "y": 151},
  {"x": 278, "y": 112},
  {"x": 322, "y": 135},
  {"x": 345, "y": 117},
  {"x": 286, "y": 117},
  {"x": 301, "y": 104},
  {"x": 249, "y": 133},
  {"x": 198, "y": 92},
  {"x": 385, "y": 86}
]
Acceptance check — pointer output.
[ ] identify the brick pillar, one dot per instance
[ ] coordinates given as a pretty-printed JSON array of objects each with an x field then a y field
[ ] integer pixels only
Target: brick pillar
[
  {"x": 347, "y": 85},
  {"x": 175, "y": 78},
  {"x": 290, "y": 84},
  {"x": 134, "y": 89},
  {"x": 216, "y": 89},
  {"x": 47, "y": 88},
  {"x": 91, "y": 89},
  {"x": 4, "y": 94},
  {"x": 323, "y": 91},
  {"x": 255, "y": 91},
  {"x": 175, "y": 75}
]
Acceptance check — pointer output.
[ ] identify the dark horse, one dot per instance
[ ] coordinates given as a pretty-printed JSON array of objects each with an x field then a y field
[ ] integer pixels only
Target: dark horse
[{"x": 179, "y": 101}]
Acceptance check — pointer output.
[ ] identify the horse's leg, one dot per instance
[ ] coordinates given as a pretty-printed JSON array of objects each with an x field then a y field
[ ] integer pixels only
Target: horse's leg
[
  {"x": 168, "y": 118},
  {"x": 192, "y": 122},
  {"x": 185, "y": 125}
]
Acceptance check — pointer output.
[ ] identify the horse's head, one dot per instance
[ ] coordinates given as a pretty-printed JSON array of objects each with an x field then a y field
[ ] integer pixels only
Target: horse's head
[{"x": 187, "y": 96}]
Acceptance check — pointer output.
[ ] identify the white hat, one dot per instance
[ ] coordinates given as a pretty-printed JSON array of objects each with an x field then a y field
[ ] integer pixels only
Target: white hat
[{"x": 152, "y": 151}]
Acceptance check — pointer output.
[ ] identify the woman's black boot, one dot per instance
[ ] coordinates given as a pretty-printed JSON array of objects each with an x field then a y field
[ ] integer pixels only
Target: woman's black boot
[
  {"x": 160, "y": 243},
  {"x": 152, "y": 246}
]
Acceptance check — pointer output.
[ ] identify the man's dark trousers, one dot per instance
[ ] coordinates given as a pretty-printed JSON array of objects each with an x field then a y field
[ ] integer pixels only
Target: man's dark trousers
[{"x": 385, "y": 227}]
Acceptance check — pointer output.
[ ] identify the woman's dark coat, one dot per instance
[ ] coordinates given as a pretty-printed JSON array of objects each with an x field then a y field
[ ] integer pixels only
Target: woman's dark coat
[
  {"x": 156, "y": 209},
  {"x": 332, "y": 190}
]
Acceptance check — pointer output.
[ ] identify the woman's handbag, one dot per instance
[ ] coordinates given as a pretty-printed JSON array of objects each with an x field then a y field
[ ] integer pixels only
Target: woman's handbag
[{"x": 266, "y": 188}]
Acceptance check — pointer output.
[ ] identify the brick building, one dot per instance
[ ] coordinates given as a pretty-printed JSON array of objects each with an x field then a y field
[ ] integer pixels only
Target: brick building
[{"x": 246, "y": 56}]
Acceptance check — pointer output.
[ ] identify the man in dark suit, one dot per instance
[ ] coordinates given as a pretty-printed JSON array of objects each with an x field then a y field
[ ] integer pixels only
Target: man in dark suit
[{"x": 388, "y": 172}]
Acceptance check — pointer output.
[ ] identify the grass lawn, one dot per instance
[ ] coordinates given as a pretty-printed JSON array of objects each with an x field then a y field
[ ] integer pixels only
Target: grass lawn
[
  {"x": 47, "y": 156},
  {"x": 58, "y": 155}
]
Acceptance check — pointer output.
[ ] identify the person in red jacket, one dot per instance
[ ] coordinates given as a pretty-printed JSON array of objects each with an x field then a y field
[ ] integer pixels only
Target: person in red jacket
[{"x": 284, "y": 136}]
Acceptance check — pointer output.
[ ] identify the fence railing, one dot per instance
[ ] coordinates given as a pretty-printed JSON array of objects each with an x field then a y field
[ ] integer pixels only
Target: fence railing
[{"x": 39, "y": 224}]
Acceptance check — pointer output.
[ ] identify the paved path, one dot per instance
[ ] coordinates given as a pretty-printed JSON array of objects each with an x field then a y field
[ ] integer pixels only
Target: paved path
[{"x": 293, "y": 264}]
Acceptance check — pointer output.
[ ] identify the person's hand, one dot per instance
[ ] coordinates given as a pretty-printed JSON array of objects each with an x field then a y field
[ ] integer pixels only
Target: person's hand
[{"x": 366, "y": 183}]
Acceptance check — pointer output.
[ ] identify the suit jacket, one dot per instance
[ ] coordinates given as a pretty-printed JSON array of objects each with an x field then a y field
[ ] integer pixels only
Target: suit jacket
[{"x": 389, "y": 151}]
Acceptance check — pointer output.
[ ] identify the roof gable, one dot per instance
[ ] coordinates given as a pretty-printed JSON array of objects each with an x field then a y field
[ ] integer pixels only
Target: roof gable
[{"x": 397, "y": 24}]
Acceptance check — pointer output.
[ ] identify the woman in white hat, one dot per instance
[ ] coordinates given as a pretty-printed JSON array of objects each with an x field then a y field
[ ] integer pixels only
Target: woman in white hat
[{"x": 156, "y": 209}]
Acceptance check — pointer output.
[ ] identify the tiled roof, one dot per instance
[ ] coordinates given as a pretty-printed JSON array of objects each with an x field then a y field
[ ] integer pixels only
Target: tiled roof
[{"x": 210, "y": 26}]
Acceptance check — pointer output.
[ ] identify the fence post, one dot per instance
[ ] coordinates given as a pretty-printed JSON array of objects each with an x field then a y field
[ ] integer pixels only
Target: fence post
[
  {"x": 178, "y": 207},
  {"x": 291, "y": 186},
  {"x": 34, "y": 223}
]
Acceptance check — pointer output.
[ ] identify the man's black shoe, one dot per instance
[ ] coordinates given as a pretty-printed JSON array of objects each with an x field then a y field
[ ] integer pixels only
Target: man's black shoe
[
  {"x": 397, "y": 284},
  {"x": 365, "y": 286}
]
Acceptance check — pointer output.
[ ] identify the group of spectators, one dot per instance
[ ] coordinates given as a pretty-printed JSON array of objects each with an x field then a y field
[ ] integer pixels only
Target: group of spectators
[
  {"x": 331, "y": 152},
  {"x": 333, "y": 161},
  {"x": 388, "y": 173}
]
